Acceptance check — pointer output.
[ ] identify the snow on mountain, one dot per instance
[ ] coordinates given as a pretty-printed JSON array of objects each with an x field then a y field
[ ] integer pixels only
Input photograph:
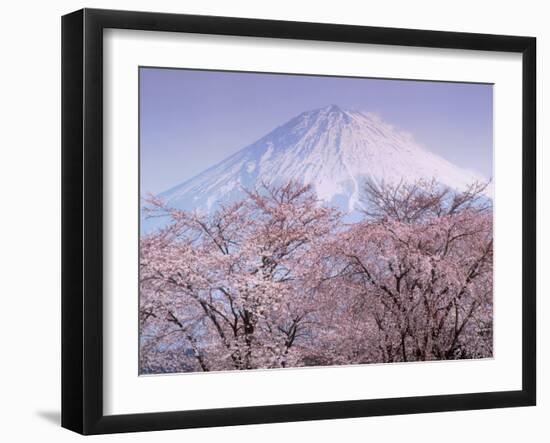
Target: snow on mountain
[{"x": 332, "y": 149}]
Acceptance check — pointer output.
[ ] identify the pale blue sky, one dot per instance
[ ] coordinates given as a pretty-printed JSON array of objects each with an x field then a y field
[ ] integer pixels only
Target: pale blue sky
[{"x": 192, "y": 119}]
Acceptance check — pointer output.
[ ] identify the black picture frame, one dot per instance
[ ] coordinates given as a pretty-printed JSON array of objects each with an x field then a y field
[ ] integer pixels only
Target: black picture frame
[{"x": 82, "y": 215}]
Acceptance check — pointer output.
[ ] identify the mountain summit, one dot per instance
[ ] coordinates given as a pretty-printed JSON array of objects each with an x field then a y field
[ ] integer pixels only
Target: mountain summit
[{"x": 332, "y": 149}]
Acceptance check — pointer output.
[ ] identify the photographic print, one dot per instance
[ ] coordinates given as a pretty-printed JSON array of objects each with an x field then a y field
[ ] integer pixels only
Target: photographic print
[{"x": 302, "y": 221}]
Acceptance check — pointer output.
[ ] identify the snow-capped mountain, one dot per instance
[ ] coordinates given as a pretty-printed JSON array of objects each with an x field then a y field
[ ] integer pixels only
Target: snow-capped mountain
[{"x": 332, "y": 149}]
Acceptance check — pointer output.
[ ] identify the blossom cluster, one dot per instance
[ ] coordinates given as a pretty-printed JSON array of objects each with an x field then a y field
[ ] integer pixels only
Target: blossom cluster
[{"x": 279, "y": 280}]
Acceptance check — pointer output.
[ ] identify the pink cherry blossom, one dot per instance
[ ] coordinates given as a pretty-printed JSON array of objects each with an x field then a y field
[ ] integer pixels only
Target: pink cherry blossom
[{"x": 278, "y": 280}]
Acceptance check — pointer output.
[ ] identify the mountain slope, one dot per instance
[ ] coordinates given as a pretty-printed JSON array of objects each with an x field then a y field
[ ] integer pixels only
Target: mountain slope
[{"x": 333, "y": 150}]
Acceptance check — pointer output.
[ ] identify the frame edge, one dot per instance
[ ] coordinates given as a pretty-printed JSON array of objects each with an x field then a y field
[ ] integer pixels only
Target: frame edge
[
  {"x": 529, "y": 220},
  {"x": 72, "y": 221}
]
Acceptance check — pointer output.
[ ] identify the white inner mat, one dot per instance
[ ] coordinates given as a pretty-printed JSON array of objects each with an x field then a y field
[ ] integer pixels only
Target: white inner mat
[{"x": 126, "y": 392}]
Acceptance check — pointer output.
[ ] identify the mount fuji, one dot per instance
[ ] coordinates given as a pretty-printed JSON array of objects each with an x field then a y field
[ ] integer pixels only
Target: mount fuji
[{"x": 332, "y": 149}]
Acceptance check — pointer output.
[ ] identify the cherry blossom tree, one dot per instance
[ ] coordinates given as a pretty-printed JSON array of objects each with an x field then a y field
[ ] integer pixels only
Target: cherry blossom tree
[
  {"x": 419, "y": 268},
  {"x": 237, "y": 288}
]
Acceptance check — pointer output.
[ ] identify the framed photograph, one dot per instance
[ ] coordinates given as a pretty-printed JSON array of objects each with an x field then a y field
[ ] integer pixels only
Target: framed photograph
[{"x": 268, "y": 221}]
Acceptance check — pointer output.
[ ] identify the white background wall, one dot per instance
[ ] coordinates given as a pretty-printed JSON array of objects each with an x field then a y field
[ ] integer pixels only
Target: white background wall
[{"x": 30, "y": 218}]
